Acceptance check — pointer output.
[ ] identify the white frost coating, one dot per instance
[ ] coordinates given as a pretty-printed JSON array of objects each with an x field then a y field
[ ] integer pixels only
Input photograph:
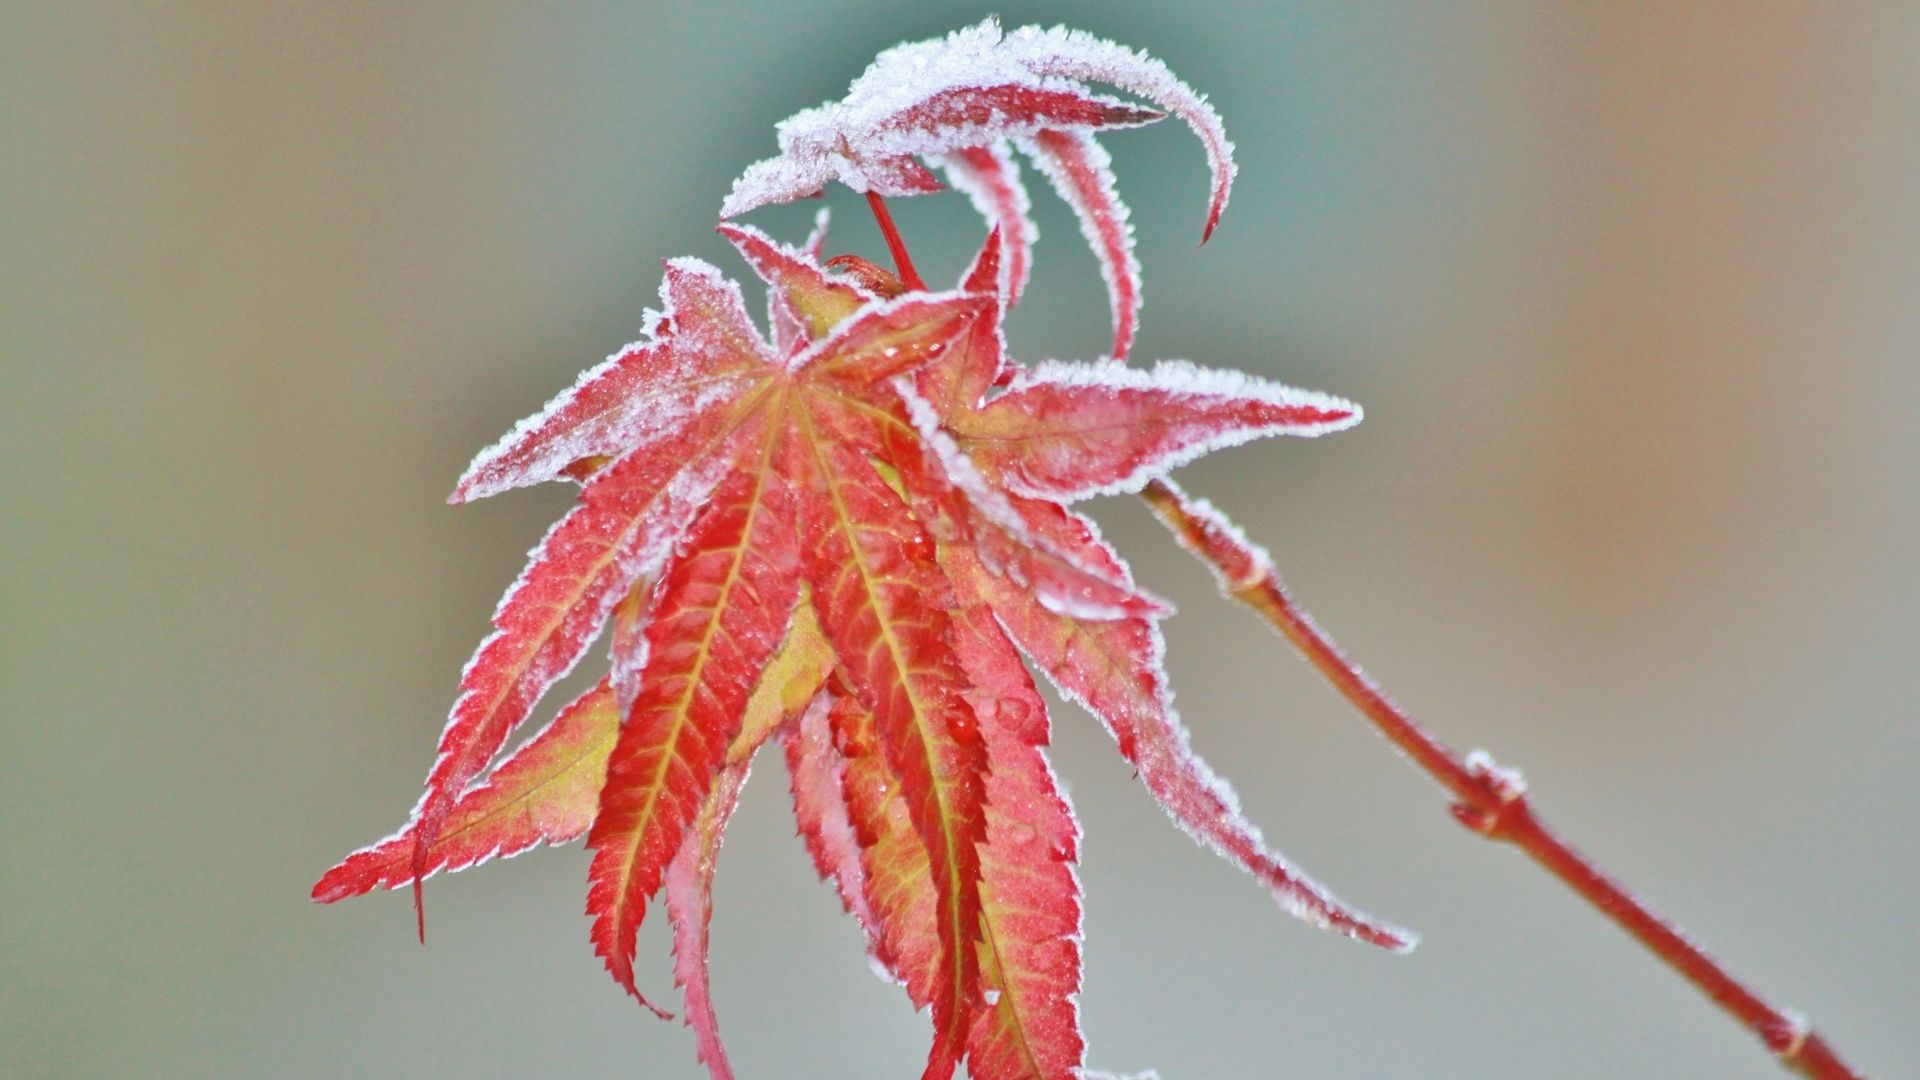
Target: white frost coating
[
  {"x": 628, "y": 653},
  {"x": 678, "y": 390},
  {"x": 816, "y": 244},
  {"x": 777, "y": 180},
  {"x": 1259, "y": 562},
  {"x": 882, "y": 972},
  {"x": 1077, "y": 54},
  {"x": 860, "y": 138},
  {"x": 702, "y": 333},
  {"x": 1507, "y": 783},
  {"x": 1002, "y": 200},
  {"x": 1100, "y": 212},
  {"x": 477, "y": 488},
  {"x": 1186, "y": 379},
  {"x": 960, "y": 469},
  {"x": 1078, "y": 936},
  {"x": 1150, "y": 1074},
  {"x": 896, "y": 137}
]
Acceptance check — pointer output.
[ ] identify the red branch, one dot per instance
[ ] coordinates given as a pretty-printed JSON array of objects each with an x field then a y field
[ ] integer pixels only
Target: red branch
[
  {"x": 1492, "y": 800},
  {"x": 897, "y": 246}
]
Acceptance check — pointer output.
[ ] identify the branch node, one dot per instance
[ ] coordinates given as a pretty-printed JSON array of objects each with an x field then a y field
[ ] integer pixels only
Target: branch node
[
  {"x": 1787, "y": 1036},
  {"x": 1498, "y": 799}
]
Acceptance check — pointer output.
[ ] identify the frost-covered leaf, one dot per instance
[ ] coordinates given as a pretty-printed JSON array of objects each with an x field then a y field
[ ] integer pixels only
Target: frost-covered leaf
[
  {"x": 927, "y": 98},
  {"x": 701, "y": 351},
  {"x": 990, "y": 176},
  {"x": 547, "y": 792},
  {"x": 1076, "y": 54},
  {"x": 1067, "y": 431},
  {"x": 1082, "y": 173},
  {"x": 893, "y": 337},
  {"x": 895, "y": 877},
  {"x": 1030, "y": 898},
  {"x": 628, "y": 644},
  {"x": 958, "y": 380},
  {"x": 958, "y": 101},
  {"x": 791, "y": 679},
  {"x": 622, "y": 529},
  {"x": 966, "y": 508},
  {"x": 807, "y": 302}
]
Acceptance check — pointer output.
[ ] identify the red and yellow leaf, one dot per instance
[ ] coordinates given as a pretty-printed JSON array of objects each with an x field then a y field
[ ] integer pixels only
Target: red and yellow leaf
[
  {"x": 963, "y": 507},
  {"x": 788, "y": 684},
  {"x": 625, "y": 523},
  {"x": 1030, "y": 896},
  {"x": 547, "y": 792},
  {"x": 959, "y": 380},
  {"x": 893, "y": 870},
  {"x": 831, "y": 539},
  {"x": 717, "y": 616}
]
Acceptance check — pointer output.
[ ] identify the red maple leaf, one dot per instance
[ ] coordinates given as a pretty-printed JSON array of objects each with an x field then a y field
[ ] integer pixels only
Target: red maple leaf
[{"x": 847, "y": 538}]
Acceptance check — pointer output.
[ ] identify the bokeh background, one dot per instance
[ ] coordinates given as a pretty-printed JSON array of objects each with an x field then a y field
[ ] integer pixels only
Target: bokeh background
[{"x": 1629, "y": 293}]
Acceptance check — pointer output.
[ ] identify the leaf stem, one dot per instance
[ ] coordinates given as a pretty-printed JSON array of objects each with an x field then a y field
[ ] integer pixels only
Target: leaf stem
[
  {"x": 1491, "y": 800},
  {"x": 901, "y": 262}
]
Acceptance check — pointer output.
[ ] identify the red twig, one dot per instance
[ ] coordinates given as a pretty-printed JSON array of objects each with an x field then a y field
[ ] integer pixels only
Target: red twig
[
  {"x": 1491, "y": 800},
  {"x": 908, "y": 275}
]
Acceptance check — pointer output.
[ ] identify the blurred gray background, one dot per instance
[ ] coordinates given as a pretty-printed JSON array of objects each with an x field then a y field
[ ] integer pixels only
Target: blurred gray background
[{"x": 1628, "y": 292}]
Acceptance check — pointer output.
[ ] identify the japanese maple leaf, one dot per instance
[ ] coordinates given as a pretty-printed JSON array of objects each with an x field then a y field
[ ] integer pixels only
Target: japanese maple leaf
[
  {"x": 767, "y": 523},
  {"x": 842, "y": 536},
  {"x": 961, "y": 102}
]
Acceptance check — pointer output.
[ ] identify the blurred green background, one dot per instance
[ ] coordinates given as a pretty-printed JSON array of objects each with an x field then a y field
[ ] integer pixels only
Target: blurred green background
[{"x": 1628, "y": 291}]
